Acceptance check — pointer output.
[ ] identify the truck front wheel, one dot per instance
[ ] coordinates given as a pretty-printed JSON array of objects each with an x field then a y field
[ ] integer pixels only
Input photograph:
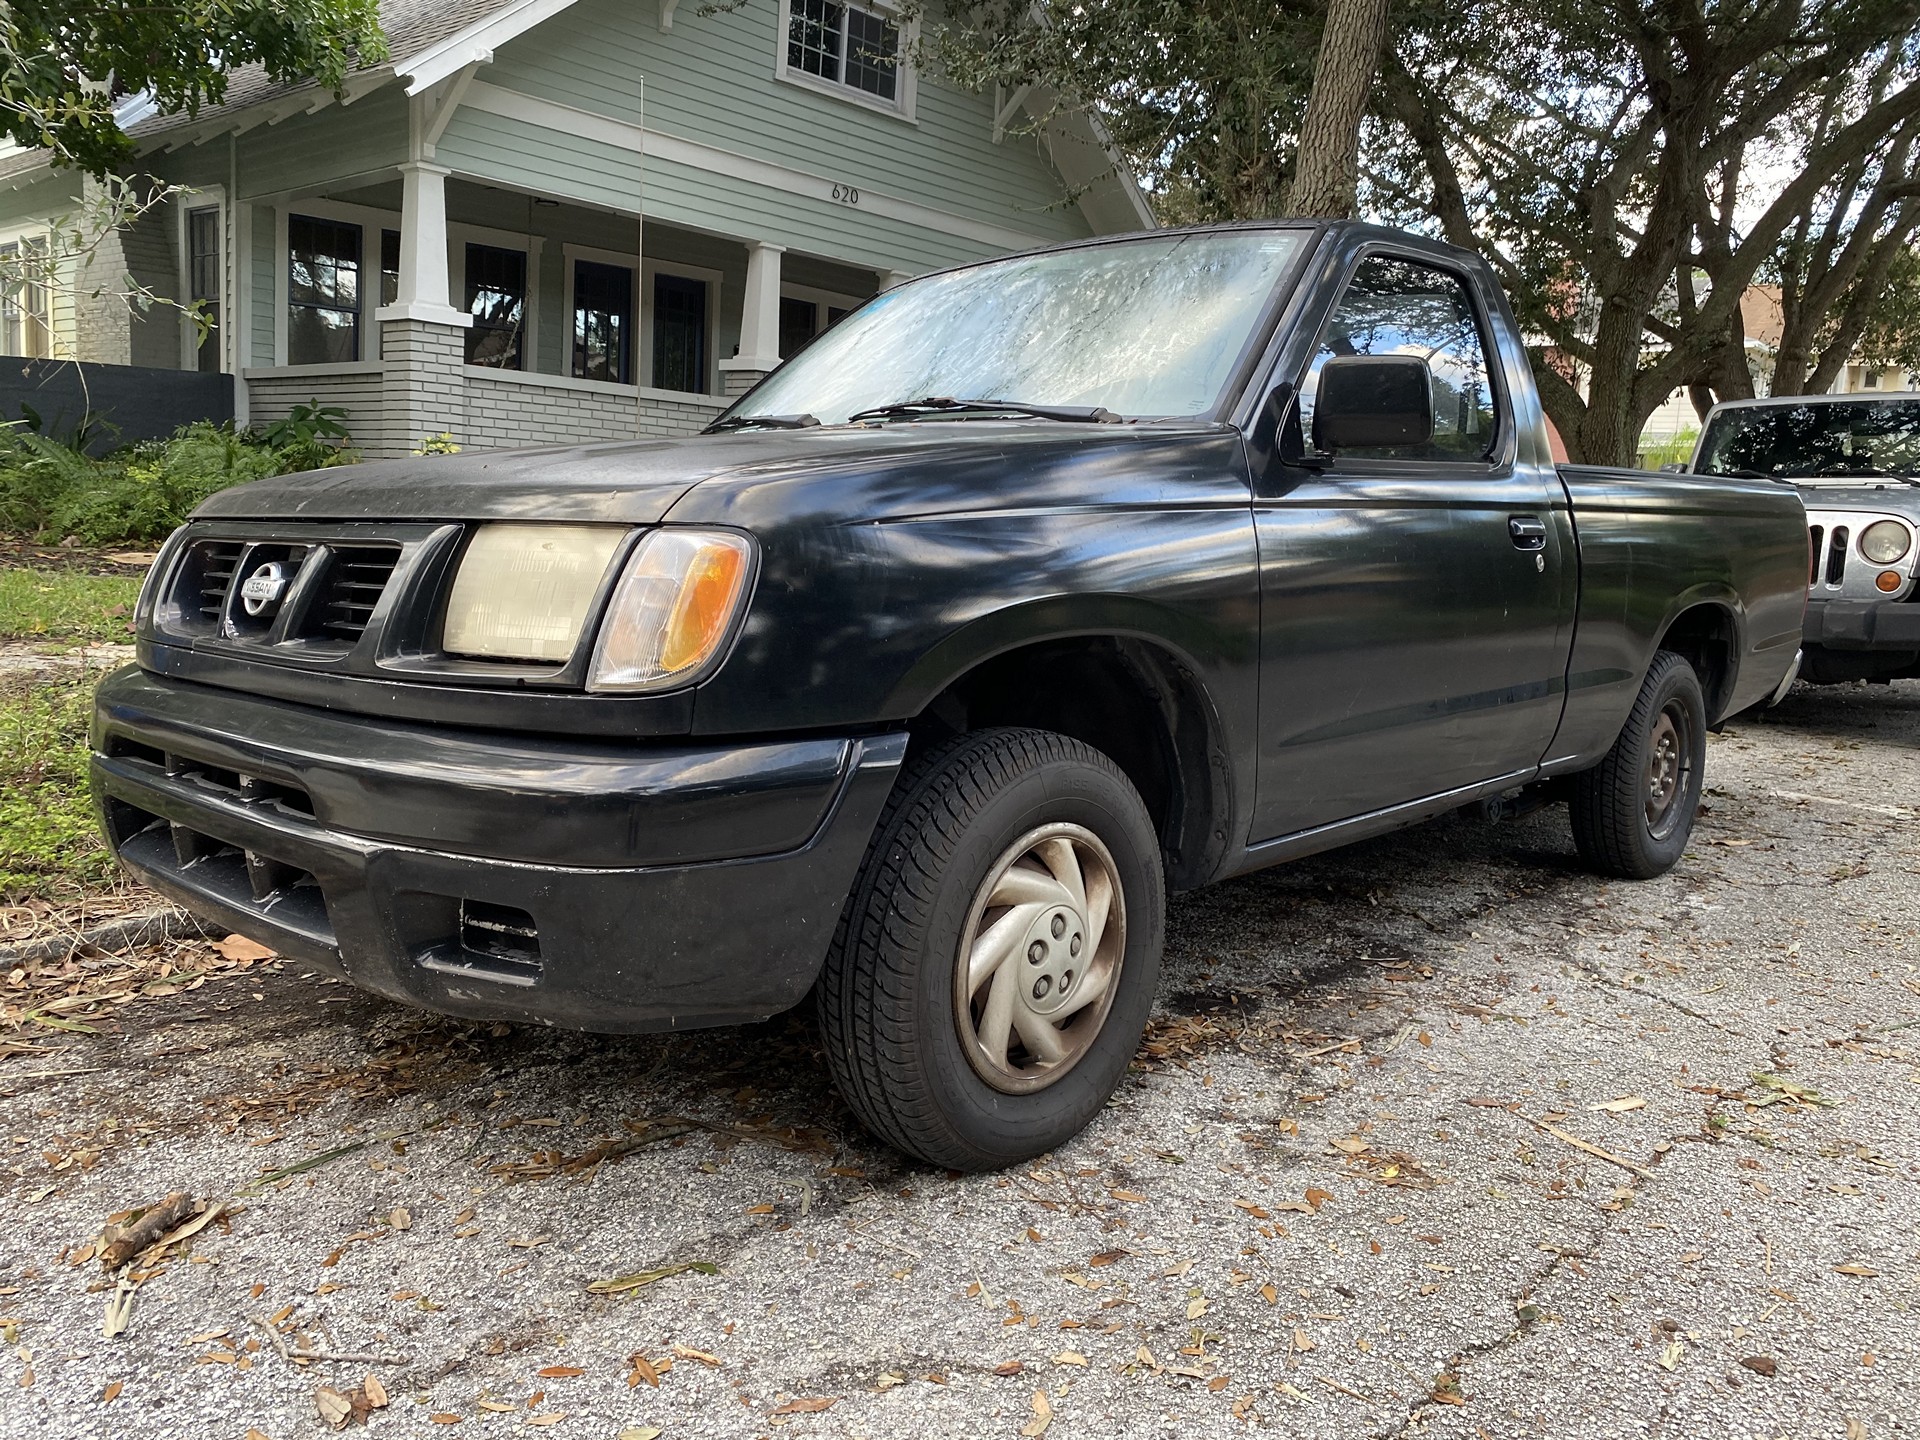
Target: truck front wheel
[
  {"x": 996, "y": 962},
  {"x": 1634, "y": 811}
]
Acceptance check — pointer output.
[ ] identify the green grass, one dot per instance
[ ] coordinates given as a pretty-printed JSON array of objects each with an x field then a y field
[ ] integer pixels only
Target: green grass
[
  {"x": 50, "y": 845},
  {"x": 66, "y": 605}
]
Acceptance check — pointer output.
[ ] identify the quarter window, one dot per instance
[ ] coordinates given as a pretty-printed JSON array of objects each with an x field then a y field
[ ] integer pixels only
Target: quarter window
[
  {"x": 323, "y": 291},
  {"x": 497, "y": 300},
  {"x": 1398, "y": 307},
  {"x": 845, "y": 45},
  {"x": 602, "y": 321}
]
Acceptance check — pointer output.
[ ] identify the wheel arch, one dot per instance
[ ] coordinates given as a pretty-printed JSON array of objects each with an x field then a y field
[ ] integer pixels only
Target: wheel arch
[
  {"x": 1131, "y": 695},
  {"x": 1705, "y": 628}
]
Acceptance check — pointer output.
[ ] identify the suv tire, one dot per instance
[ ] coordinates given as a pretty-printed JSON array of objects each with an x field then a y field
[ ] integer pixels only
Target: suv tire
[
  {"x": 1633, "y": 812},
  {"x": 976, "y": 856}
]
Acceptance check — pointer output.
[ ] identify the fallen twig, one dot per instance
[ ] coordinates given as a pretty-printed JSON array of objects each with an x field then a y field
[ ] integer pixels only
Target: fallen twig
[
  {"x": 289, "y": 1354},
  {"x": 129, "y": 1240},
  {"x": 1589, "y": 1147}
]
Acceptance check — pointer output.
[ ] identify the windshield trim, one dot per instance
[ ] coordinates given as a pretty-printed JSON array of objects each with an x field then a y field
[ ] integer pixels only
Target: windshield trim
[{"x": 1238, "y": 374}]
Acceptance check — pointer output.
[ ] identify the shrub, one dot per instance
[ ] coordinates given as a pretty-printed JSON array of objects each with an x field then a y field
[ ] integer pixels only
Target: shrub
[{"x": 50, "y": 490}]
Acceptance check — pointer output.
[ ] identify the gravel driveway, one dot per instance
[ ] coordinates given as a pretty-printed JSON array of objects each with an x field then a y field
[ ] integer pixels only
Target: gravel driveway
[{"x": 1433, "y": 1136}]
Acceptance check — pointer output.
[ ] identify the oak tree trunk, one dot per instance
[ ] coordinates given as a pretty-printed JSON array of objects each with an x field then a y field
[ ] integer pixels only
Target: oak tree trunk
[{"x": 1326, "y": 173}]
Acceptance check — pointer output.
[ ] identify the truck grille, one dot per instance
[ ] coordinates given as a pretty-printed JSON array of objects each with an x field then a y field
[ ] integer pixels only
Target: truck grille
[
  {"x": 356, "y": 578},
  {"x": 218, "y": 562}
]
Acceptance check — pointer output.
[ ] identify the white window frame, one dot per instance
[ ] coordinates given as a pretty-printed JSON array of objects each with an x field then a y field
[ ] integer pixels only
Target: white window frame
[
  {"x": 459, "y": 236},
  {"x": 205, "y": 197},
  {"x": 371, "y": 222},
  {"x": 22, "y": 235},
  {"x": 628, "y": 260},
  {"x": 822, "y": 300},
  {"x": 906, "y": 89},
  {"x": 643, "y": 332}
]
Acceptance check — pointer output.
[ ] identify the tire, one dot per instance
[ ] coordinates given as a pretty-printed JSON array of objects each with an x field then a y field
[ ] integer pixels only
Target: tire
[
  {"x": 892, "y": 996},
  {"x": 1622, "y": 823}
]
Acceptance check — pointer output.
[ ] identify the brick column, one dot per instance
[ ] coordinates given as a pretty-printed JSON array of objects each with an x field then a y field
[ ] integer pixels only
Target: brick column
[{"x": 422, "y": 385}]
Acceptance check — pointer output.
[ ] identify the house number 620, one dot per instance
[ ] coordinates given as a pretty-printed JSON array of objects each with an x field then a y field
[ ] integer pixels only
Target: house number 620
[{"x": 846, "y": 194}]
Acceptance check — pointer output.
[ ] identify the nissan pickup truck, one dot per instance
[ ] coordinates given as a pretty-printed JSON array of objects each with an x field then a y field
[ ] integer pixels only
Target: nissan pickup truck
[
  {"x": 1855, "y": 460},
  {"x": 1030, "y": 592}
]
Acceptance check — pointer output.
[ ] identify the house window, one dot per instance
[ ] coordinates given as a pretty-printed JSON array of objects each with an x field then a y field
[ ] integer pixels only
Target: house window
[
  {"x": 1870, "y": 379},
  {"x": 799, "y": 323},
  {"x": 203, "y": 285},
  {"x": 25, "y": 327},
  {"x": 845, "y": 45},
  {"x": 679, "y": 333},
  {"x": 497, "y": 300},
  {"x": 323, "y": 291},
  {"x": 389, "y": 267},
  {"x": 602, "y": 321}
]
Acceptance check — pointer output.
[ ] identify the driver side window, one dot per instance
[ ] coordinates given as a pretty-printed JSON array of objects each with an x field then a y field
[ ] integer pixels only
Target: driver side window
[{"x": 1399, "y": 307}]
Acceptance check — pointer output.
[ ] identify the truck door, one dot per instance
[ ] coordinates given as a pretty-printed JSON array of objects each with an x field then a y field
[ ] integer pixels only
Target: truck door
[{"x": 1416, "y": 602}]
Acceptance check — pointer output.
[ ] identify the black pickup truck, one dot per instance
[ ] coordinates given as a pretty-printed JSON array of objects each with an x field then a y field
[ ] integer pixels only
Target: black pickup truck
[{"x": 1032, "y": 590}]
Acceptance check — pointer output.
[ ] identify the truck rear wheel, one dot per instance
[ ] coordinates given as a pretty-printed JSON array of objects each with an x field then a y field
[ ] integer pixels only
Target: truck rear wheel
[
  {"x": 1634, "y": 811},
  {"x": 995, "y": 964}
]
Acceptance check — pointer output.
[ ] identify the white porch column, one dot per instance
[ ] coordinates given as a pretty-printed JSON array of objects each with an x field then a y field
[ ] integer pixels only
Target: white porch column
[
  {"x": 423, "y": 293},
  {"x": 423, "y": 384},
  {"x": 890, "y": 278},
  {"x": 759, "y": 321}
]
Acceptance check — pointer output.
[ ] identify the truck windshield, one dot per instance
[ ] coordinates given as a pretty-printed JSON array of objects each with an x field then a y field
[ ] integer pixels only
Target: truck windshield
[
  {"x": 1142, "y": 328},
  {"x": 1824, "y": 439}
]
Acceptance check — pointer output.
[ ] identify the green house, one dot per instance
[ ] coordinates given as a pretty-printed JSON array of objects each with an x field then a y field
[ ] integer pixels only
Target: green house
[{"x": 556, "y": 220}]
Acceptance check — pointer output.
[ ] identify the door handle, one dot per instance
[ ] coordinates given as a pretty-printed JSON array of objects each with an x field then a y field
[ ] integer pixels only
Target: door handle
[{"x": 1528, "y": 532}]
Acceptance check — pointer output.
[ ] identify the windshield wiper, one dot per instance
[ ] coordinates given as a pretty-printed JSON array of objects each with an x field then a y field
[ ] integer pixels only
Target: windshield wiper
[
  {"x": 772, "y": 422},
  {"x": 947, "y": 405}
]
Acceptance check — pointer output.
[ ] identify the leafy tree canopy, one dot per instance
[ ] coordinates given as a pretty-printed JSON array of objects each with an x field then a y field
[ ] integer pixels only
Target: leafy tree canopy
[{"x": 64, "y": 64}]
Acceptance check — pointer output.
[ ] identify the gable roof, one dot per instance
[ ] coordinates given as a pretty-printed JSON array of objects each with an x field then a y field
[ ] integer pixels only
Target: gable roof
[{"x": 430, "y": 40}]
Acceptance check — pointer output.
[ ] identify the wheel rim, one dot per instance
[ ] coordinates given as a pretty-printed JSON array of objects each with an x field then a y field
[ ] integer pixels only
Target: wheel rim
[
  {"x": 1669, "y": 773},
  {"x": 1039, "y": 958}
]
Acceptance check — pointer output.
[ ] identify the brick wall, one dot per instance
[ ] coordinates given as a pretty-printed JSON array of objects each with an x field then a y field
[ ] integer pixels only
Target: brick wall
[
  {"x": 508, "y": 409},
  {"x": 272, "y": 394},
  {"x": 421, "y": 386}
]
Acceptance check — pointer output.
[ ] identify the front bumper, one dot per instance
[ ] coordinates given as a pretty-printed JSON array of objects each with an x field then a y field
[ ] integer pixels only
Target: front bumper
[
  {"x": 1862, "y": 624},
  {"x": 596, "y": 886}
]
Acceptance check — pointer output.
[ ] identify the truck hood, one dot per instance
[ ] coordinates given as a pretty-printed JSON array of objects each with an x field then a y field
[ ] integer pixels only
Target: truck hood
[
  {"x": 1865, "y": 494},
  {"x": 632, "y": 482}
]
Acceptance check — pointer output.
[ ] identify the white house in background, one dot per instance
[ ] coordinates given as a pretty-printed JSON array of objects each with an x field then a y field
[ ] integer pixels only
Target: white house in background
[{"x": 549, "y": 220}]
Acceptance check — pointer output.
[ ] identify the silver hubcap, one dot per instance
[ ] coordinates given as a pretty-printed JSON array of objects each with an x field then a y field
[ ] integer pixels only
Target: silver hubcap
[
  {"x": 1039, "y": 958},
  {"x": 1668, "y": 770}
]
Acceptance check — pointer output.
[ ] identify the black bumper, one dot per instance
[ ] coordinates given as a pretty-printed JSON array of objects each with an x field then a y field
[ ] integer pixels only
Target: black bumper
[
  {"x": 1863, "y": 624},
  {"x": 597, "y": 886}
]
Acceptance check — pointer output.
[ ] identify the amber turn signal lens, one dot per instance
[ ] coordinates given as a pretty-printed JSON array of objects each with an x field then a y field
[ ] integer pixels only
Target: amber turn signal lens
[
  {"x": 1888, "y": 580},
  {"x": 673, "y": 609}
]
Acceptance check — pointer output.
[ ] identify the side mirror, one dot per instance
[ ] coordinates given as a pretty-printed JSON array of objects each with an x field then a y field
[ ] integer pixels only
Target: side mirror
[{"x": 1368, "y": 401}]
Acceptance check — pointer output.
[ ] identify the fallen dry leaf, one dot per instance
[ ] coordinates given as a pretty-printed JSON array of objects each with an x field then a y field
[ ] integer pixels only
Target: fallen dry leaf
[
  {"x": 1622, "y": 1105},
  {"x": 1269, "y": 1294},
  {"x": 1106, "y": 1257},
  {"x": 806, "y": 1405},
  {"x": 375, "y": 1392},
  {"x": 334, "y": 1407},
  {"x": 687, "y": 1352},
  {"x": 1866, "y": 1271},
  {"x": 1760, "y": 1364},
  {"x": 552, "y": 1417},
  {"x": 559, "y": 1372},
  {"x": 401, "y": 1218},
  {"x": 1071, "y": 1357},
  {"x": 1042, "y": 1416},
  {"x": 112, "y": 1392},
  {"x": 1008, "y": 1367},
  {"x": 238, "y": 947},
  {"x": 641, "y": 1432}
]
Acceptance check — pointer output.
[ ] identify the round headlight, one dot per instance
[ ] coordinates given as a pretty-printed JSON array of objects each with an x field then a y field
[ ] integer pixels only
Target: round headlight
[{"x": 1885, "y": 541}]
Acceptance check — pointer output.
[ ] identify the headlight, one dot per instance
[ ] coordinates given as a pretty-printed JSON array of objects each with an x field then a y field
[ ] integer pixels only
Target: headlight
[
  {"x": 1884, "y": 541},
  {"x": 673, "y": 609},
  {"x": 524, "y": 591}
]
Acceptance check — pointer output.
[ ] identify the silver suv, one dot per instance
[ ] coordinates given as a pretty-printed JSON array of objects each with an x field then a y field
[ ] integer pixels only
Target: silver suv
[{"x": 1856, "y": 462}]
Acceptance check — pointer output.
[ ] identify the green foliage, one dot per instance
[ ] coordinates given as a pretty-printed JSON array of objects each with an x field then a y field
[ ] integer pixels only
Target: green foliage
[
  {"x": 1672, "y": 450},
  {"x": 50, "y": 490},
  {"x": 310, "y": 438},
  {"x": 50, "y": 844},
  {"x": 181, "y": 50},
  {"x": 440, "y": 444},
  {"x": 66, "y": 605}
]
